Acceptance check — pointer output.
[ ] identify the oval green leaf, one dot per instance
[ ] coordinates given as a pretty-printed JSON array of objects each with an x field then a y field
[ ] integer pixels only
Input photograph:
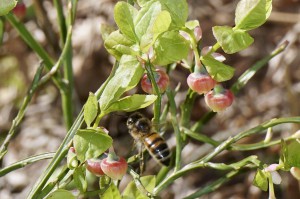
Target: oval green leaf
[
  {"x": 145, "y": 18},
  {"x": 6, "y": 6},
  {"x": 292, "y": 154},
  {"x": 114, "y": 43},
  {"x": 217, "y": 70},
  {"x": 124, "y": 15},
  {"x": 127, "y": 76},
  {"x": 90, "y": 109},
  {"x": 232, "y": 40},
  {"x": 143, "y": 3},
  {"x": 61, "y": 193},
  {"x": 192, "y": 24},
  {"x": 178, "y": 10},
  {"x": 170, "y": 47},
  {"x": 132, "y": 103},
  {"x": 80, "y": 179},
  {"x": 261, "y": 180},
  {"x": 90, "y": 143},
  {"x": 250, "y": 14},
  {"x": 111, "y": 193},
  {"x": 160, "y": 24}
]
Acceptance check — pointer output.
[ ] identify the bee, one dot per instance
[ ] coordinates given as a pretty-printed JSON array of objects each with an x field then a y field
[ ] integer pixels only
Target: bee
[{"x": 140, "y": 128}]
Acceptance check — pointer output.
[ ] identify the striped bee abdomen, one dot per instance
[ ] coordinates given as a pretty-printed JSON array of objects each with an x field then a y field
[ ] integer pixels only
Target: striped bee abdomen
[{"x": 157, "y": 148}]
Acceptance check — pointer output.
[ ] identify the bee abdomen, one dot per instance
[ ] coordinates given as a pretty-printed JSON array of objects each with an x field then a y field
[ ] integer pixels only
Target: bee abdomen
[{"x": 158, "y": 148}]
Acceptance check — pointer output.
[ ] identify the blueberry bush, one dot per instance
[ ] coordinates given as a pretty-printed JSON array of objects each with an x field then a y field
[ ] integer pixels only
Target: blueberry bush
[{"x": 151, "y": 39}]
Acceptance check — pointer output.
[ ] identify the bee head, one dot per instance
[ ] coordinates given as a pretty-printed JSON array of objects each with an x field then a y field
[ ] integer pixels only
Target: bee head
[
  {"x": 132, "y": 119},
  {"x": 138, "y": 122}
]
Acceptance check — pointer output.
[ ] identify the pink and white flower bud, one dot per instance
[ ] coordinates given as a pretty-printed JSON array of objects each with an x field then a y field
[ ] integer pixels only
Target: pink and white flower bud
[
  {"x": 217, "y": 56},
  {"x": 219, "y": 99},
  {"x": 200, "y": 82},
  {"x": 295, "y": 171},
  {"x": 276, "y": 178},
  {"x": 198, "y": 33}
]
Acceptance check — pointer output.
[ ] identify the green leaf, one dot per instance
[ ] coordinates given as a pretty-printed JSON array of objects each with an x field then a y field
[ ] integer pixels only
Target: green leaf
[
  {"x": 217, "y": 70},
  {"x": 261, "y": 180},
  {"x": 80, "y": 179},
  {"x": 250, "y": 14},
  {"x": 160, "y": 24},
  {"x": 192, "y": 24},
  {"x": 232, "y": 40},
  {"x": 145, "y": 18},
  {"x": 170, "y": 47},
  {"x": 6, "y": 6},
  {"x": 61, "y": 193},
  {"x": 90, "y": 109},
  {"x": 111, "y": 193},
  {"x": 117, "y": 44},
  {"x": 90, "y": 143},
  {"x": 124, "y": 15},
  {"x": 292, "y": 154},
  {"x": 143, "y": 3},
  {"x": 178, "y": 10},
  {"x": 127, "y": 76},
  {"x": 133, "y": 192},
  {"x": 132, "y": 103}
]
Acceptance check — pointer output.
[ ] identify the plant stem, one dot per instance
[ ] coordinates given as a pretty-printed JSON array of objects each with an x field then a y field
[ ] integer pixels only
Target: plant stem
[
  {"x": 175, "y": 123},
  {"x": 162, "y": 174},
  {"x": 34, "y": 45},
  {"x": 248, "y": 74},
  {"x": 200, "y": 137},
  {"x": 64, "y": 89},
  {"x": 252, "y": 160},
  {"x": 187, "y": 107},
  {"x": 68, "y": 67},
  {"x": 213, "y": 186},
  {"x": 259, "y": 145},
  {"x": 67, "y": 104},
  {"x": 44, "y": 23},
  {"x": 224, "y": 145},
  {"x": 157, "y": 103},
  {"x": 68, "y": 92},
  {"x": 61, "y": 20},
  {"x": 139, "y": 184},
  {"x": 25, "y": 162},
  {"x": 65, "y": 171},
  {"x": 64, "y": 147},
  {"x": 16, "y": 122}
]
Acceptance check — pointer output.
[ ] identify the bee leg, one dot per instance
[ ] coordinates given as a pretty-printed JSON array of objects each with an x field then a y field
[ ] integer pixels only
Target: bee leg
[
  {"x": 142, "y": 165},
  {"x": 133, "y": 146}
]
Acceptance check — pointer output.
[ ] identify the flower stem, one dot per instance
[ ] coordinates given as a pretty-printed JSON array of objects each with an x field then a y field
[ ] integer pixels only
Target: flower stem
[
  {"x": 223, "y": 146},
  {"x": 64, "y": 147},
  {"x": 179, "y": 140},
  {"x": 157, "y": 103},
  {"x": 16, "y": 122},
  {"x": 214, "y": 185},
  {"x": 25, "y": 162}
]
